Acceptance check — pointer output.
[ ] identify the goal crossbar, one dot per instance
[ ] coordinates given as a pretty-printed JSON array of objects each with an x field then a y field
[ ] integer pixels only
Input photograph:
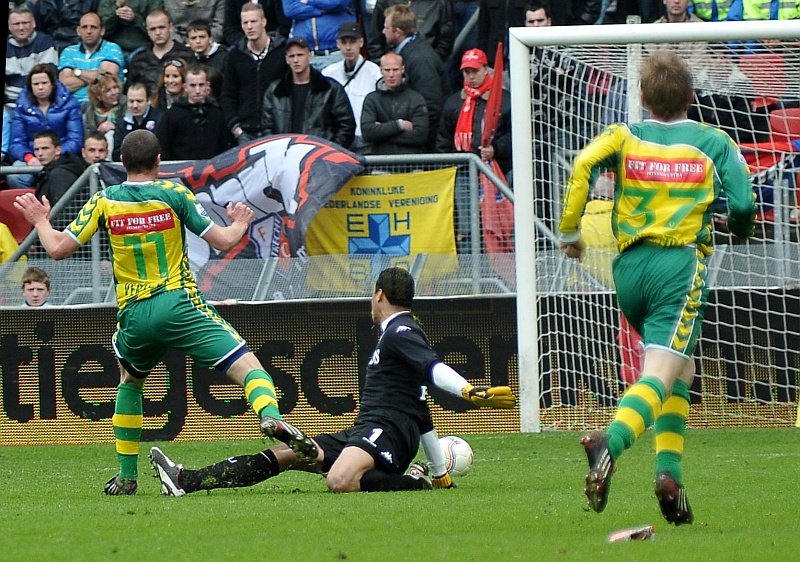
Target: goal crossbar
[{"x": 620, "y": 34}]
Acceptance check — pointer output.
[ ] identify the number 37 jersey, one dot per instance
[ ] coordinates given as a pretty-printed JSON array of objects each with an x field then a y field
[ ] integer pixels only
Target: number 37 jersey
[
  {"x": 145, "y": 223},
  {"x": 668, "y": 178}
]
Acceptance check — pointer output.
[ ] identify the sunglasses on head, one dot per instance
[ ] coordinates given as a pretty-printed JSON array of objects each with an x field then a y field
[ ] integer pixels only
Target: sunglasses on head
[{"x": 100, "y": 76}]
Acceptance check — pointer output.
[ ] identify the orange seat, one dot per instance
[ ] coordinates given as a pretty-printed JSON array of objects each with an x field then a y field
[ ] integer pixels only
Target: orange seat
[
  {"x": 784, "y": 127},
  {"x": 12, "y": 218},
  {"x": 778, "y": 155}
]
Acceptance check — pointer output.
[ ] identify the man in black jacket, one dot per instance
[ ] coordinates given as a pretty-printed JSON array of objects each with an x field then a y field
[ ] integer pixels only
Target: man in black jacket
[
  {"x": 424, "y": 69},
  {"x": 59, "y": 173},
  {"x": 62, "y": 170},
  {"x": 147, "y": 65},
  {"x": 394, "y": 119},
  {"x": 305, "y": 101},
  {"x": 252, "y": 65},
  {"x": 193, "y": 128}
]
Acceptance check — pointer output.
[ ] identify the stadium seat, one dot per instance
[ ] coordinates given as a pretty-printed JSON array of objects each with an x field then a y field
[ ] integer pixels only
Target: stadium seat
[
  {"x": 770, "y": 160},
  {"x": 785, "y": 125},
  {"x": 9, "y": 215}
]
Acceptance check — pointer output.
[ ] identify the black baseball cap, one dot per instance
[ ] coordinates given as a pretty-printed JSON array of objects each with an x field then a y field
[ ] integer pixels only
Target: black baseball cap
[
  {"x": 299, "y": 41},
  {"x": 349, "y": 29}
]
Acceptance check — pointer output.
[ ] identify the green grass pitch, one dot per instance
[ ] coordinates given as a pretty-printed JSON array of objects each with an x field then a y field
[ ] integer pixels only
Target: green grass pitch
[{"x": 522, "y": 501}]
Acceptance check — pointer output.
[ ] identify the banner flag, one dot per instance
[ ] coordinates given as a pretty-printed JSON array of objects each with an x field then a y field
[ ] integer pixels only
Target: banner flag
[
  {"x": 397, "y": 215},
  {"x": 284, "y": 178}
]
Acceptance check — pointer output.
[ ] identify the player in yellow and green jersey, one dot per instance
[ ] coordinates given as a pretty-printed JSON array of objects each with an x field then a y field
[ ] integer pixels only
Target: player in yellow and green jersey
[
  {"x": 669, "y": 172},
  {"x": 160, "y": 306}
]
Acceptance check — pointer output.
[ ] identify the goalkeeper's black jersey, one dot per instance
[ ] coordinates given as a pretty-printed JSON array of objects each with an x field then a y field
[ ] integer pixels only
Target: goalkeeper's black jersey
[{"x": 398, "y": 370}]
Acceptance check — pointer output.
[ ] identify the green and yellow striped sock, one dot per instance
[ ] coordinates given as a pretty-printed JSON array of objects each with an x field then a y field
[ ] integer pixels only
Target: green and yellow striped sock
[
  {"x": 127, "y": 423},
  {"x": 637, "y": 410},
  {"x": 670, "y": 429},
  {"x": 260, "y": 392}
]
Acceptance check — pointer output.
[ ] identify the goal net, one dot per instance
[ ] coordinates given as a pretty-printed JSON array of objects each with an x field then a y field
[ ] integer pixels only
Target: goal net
[{"x": 577, "y": 353}]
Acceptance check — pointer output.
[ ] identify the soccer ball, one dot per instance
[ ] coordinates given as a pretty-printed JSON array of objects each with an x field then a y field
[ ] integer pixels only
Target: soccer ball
[{"x": 457, "y": 455}]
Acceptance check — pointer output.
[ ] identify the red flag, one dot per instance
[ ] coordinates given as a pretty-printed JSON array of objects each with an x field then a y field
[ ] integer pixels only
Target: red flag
[
  {"x": 497, "y": 211},
  {"x": 492, "y": 114}
]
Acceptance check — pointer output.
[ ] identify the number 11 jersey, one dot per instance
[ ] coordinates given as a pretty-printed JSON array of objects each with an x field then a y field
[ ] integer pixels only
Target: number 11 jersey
[{"x": 145, "y": 223}]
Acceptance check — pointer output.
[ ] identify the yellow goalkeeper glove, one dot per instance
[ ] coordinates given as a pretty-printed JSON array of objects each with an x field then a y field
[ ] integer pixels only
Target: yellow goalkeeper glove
[
  {"x": 443, "y": 481},
  {"x": 489, "y": 397}
]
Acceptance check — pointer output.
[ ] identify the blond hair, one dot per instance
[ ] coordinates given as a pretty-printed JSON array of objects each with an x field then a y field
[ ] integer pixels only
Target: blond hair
[{"x": 101, "y": 84}]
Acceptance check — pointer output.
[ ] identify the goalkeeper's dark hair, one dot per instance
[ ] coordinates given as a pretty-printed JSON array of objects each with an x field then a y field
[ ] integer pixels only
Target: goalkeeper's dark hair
[
  {"x": 397, "y": 285},
  {"x": 667, "y": 88},
  {"x": 139, "y": 151}
]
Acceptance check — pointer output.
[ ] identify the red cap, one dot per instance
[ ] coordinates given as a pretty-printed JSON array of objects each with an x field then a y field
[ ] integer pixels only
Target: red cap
[{"x": 474, "y": 58}]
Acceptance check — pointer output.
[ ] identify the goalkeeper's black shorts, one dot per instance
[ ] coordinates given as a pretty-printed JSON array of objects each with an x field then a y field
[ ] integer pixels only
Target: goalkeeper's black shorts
[{"x": 389, "y": 436}]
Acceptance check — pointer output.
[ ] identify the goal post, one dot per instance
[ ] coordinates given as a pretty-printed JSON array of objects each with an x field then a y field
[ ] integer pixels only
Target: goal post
[{"x": 748, "y": 359}]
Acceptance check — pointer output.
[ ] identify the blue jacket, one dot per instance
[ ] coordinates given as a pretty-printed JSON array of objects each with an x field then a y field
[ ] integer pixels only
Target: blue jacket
[
  {"x": 318, "y": 21},
  {"x": 63, "y": 117}
]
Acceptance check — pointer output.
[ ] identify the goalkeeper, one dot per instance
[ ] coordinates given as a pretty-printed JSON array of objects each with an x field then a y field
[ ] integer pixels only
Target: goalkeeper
[
  {"x": 669, "y": 171},
  {"x": 374, "y": 454}
]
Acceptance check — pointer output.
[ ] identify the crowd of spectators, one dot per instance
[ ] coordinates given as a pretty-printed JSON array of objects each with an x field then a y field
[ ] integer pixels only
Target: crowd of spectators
[{"x": 211, "y": 74}]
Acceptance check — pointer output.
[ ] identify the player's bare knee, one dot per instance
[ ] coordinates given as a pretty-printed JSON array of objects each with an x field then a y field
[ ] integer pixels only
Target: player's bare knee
[{"x": 342, "y": 483}]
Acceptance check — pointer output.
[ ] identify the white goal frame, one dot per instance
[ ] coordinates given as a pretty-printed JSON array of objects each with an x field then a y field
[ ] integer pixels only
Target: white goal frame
[{"x": 521, "y": 42}]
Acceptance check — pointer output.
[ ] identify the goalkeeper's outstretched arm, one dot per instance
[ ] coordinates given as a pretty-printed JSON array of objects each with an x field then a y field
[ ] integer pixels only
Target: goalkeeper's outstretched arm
[{"x": 448, "y": 379}]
